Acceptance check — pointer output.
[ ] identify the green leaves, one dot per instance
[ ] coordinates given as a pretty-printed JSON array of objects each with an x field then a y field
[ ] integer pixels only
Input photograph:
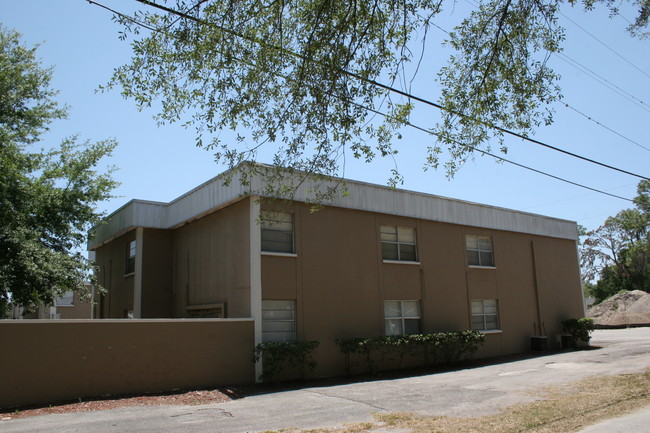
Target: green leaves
[
  {"x": 300, "y": 76},
  {"x": 451, "y": 346},
  {"x": 617, "y": 253},
  {"x": 498, "y": 76},
  {"x": 580, "y": 329},
  {"x": 273, "y": 72},
  {"x": 47, "y": 198},
  {"x": 280, "y": 355}
]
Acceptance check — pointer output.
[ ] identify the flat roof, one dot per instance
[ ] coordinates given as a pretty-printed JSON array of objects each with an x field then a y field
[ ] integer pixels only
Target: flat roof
[{"x": 231, "y": 186}]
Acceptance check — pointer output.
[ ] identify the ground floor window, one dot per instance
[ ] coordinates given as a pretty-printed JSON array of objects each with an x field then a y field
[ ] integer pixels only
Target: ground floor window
[
  {"x": 402, "y": 317},
  {"x": 485, "y": 314},
  {"x": 65, "y": 300},
  {"x": 278, "y": 320}
]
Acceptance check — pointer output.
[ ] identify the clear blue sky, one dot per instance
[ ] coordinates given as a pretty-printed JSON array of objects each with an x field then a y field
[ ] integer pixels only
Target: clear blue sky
[{"x": 161, "y": 163}]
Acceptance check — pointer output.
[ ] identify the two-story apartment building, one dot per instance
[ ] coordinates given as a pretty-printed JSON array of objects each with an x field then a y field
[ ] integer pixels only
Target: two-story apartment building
[{"x": 373, "y": 261}]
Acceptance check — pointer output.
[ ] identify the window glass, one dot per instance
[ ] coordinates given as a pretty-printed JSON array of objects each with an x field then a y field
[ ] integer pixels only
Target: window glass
[
  {"x": 477, "y": 322},
  {"x": 389, "y": 251},
  {"x": 401, "y": 317},
  {"x": 278, "y": 320},
  {"x": 479, "y": 251},
  {"x": 484, "y": 244},
  {"x": 407, "y": 253},
  {"x": 485, "y": 314},
  {"x": 129, "y": 266},
  {"x": 411, "y": 326},
  {"x": 394, "y": 327},
  {"x": 388, "y": 233},
  {"x": 411, "y": 308},
  {"x": 406, "y": 234},
  {"x": 398, "y": 243},
  {"x": 277, "y": 231},
  {"x": 392, "y": 309}
]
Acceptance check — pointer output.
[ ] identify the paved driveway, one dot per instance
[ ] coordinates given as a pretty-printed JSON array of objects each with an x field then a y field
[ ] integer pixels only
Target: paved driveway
[{"x": 470, "y": 392}]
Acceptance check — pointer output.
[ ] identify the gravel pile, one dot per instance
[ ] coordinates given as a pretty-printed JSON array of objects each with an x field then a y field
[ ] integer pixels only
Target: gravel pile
[{"x": 621, "y": 310}]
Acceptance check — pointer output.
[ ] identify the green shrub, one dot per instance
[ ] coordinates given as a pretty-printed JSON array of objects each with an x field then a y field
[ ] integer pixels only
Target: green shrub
[
  {"x": 370, "y": 350},
  {"x": 579, "y": 329},
  {"x": 450, "y": 346},
  {"x": 278, "y": 356},
  {"x": 455, "y": 345}
]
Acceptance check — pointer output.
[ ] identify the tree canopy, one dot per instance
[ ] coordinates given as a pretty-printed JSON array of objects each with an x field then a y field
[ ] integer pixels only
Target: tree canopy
[
  {"x": 47, "y": 196},
  {"x": 324, "y": 79},
  {"x": 617, "y": 254}
]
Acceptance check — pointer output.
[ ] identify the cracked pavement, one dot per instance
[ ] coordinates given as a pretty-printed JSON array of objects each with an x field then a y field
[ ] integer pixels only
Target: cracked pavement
[{"x": 470, "y": 392}]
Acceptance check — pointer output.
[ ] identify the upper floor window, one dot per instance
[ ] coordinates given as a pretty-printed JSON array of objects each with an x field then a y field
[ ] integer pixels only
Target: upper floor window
[
  {"x": 130, "y": 258},
  {"x": 398, "y": 243},
  {"x": 402, "y": 317},
  {"x": 479, "y": 251},
  {"x": 485, "y": 314},
  {"x": 277, "y": 231}
]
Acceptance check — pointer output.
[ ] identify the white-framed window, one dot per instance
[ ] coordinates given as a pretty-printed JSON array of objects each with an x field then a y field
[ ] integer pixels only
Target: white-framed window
[
  {"x": 402, "y": 317},
  {"x": 479, "y": 251},
  {"x": 65, "y": 300},
  {"x": 398, "y": 243},
  {"x": 485, "y": 314},
  {"x": 129, "y": 266},
  {"x": 277, "y": 231},
  {"x": 278, "y": 320}
]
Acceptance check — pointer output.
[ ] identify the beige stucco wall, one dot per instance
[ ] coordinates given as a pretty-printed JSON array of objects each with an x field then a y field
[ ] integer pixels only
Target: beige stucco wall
[
  {"x": 157, "y": 274},
  {"x": 340, "y": 281},
  {"x": 55, "y": 360},
  {"x": 212, "y": 261},
  {"x": 111, "y": 259}
]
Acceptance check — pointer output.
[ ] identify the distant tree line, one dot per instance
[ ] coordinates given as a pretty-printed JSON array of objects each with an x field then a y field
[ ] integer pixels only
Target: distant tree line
[{"x": 614, "y": 257}]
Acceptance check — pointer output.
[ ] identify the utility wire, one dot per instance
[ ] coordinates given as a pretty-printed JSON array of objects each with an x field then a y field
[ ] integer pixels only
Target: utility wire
[
  {"x": 607, "y": 46},
  {"x": 429, "y": 132},
  {"x": 582, "y": 68},
  {"x": 587, "y": 70},
  {"x": 603, "y": 81},
  {"x": 387, "y": 88},
  {"x": 484, "y": 152},
  {"x": 578, "y": 111},
  {"x": 604, "y": 126}
]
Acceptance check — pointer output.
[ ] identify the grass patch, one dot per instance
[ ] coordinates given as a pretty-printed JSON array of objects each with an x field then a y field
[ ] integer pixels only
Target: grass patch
[{"x": 563, "y": 410}]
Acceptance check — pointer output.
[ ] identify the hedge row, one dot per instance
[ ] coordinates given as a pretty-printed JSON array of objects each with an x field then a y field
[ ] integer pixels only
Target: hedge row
[{"x": 448, "y": 347}]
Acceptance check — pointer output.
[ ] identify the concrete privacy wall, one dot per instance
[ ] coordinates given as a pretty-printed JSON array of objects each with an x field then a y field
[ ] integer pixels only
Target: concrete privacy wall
[{"x": 52, "y": 360}]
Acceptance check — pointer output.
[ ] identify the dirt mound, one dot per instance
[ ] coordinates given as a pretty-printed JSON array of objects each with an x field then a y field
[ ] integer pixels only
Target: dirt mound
[{"x": 624, "y": 309}]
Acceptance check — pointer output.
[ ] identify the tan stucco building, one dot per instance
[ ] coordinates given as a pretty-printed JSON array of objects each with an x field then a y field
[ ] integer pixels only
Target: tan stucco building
[{"x": 373, "y": 261}]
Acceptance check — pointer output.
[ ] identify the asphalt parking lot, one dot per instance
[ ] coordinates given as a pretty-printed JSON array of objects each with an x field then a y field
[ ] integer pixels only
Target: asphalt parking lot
[{"x": 470, "y": 392}]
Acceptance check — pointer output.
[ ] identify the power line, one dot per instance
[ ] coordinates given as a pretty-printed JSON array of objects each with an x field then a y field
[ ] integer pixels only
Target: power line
[
  {"x": 593, "y": 75},
  {"x": 603, "y": 81},
  {"x": 439, "y": 135},
  {"x": 484, "y": 152},
  {"x": 604, "y": 126},
  {"x": 388, "y": 88},
  {"x": 607, "y": 46},
  {"x": 575, "y": 109}
]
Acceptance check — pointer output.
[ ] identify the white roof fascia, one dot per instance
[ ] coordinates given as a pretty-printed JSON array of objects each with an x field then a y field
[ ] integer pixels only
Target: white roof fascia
[{"x": 212, "y": 195}]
